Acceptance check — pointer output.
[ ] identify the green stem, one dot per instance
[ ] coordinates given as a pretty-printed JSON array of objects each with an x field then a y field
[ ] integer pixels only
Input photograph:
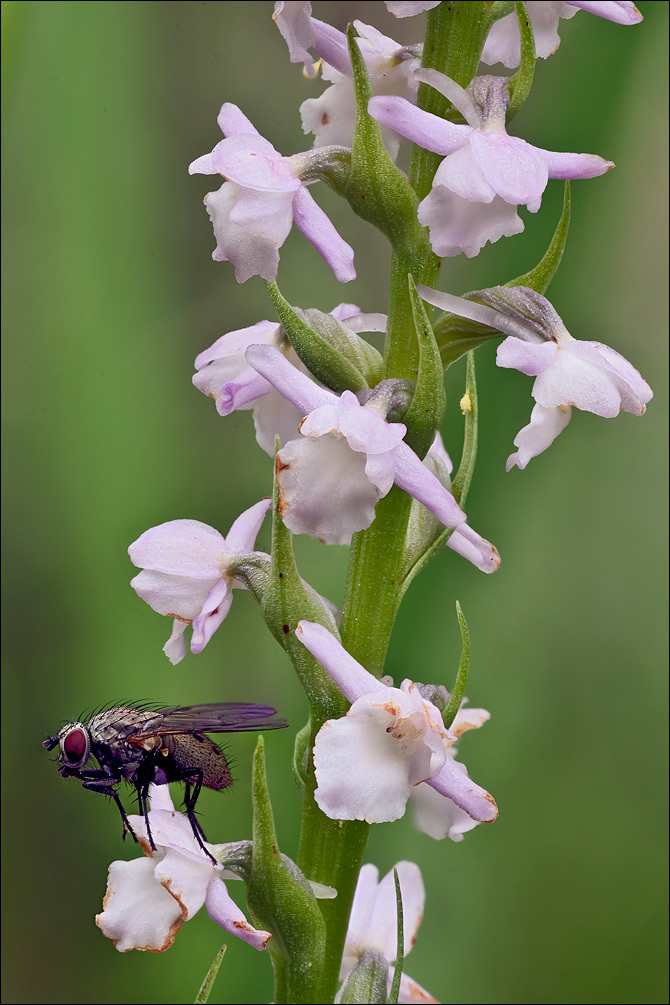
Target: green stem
[{"x": 331, "y": 851}]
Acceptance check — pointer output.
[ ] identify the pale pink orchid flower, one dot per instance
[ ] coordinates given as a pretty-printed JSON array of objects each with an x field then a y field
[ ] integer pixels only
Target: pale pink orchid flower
[
  {"x": 263, "y": 195},
  {"x": 485, "y": 174},
  {"x": 373, "y": 923},
  {"x": 346, "y": 459},
  {"x": 391, "y": 741},
  {"x": 568, "y": 372},
  {"x": 331, "y": 116},
  {"x": 189, "y": 573},
  {"x": 503, "y": 44},
  {"x": 148, "y": 899},
  {"x": 224, "y": 374}
]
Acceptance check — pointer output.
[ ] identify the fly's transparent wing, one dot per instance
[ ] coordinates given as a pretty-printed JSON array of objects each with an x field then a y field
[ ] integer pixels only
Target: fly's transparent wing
[{"x": 223, "y": 717}]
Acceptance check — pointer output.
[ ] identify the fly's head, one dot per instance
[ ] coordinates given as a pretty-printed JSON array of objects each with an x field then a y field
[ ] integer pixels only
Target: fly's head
[{"x": 74, "y": 748}]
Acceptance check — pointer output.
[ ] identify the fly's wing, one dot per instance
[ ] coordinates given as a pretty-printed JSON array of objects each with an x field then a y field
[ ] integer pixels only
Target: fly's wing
[{"x": 224, "y": 717}]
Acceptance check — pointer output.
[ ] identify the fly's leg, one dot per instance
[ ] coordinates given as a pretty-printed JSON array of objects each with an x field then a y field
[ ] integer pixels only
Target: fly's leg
[
  {"x": 144, "y": 776},
  {"x": 192, "y": 777},
  {"x": 102, "y": 781}
]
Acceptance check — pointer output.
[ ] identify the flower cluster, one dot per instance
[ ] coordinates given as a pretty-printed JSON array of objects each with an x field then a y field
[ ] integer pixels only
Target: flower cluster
[{"x": 359, "y": 459}]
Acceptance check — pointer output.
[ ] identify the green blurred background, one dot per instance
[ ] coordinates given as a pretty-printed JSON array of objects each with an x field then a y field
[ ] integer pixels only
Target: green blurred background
[{"x": 110, "y": 292}]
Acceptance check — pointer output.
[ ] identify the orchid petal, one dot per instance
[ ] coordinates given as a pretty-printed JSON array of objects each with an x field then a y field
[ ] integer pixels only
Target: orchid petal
[
  {"x": 430, "y": 132},
  {"x": 138, "y": 913},
  {"x": 311, "y": 220},
  {"x": 472, "y": 798},
  {"x": 353, "y": 680},
  {"x": 244, "y": 531},
  {"x": 544, "y": 426},
  {"x": 222, "y": 909},
  {"x": 295, "y": 386}
]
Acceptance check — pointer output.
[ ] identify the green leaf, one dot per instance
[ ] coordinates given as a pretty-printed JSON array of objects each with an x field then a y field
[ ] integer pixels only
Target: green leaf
[
  {"x": 426, "y": 410},
  {"x": 321, "y": 358},
  {"x": 210, "y": 977},
  {"x": 470, "y": 408},
  {"x": 367, "y": 981},
  {"x": 400, "y": 959},
  {"x": 352, "y": 347},
  {"x": 378, "y": 191},
  {"x": 283, "y": 905},
  {"x": 301, "y": 752},
  {"x": 449, "y": 714},
  {"x": 538, "y": 279},
  {"x": 286, "y": 601},
  {"x": 520, "y": 83}
]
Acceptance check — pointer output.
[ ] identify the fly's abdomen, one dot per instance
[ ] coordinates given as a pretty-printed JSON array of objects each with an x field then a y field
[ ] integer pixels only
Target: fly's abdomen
[{"x": 193, "y": 750}]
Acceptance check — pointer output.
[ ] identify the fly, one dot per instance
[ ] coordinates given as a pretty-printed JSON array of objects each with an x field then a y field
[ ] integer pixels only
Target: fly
[{"x": 144, "y": 744}]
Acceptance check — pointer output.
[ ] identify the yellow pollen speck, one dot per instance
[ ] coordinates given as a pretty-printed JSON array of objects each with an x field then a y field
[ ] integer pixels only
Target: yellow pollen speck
[
  {"x": 465, "y": 403},
  {"x": 564, "y": 408}
]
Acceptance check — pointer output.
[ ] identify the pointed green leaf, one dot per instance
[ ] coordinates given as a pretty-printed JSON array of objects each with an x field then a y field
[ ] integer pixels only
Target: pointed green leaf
[
  {"x": 378, "y": 191},
  {"x": 400, "y": 959},
  {"x": 210, "y": 977},
  {"x": 429, "y": 402},
  {"x": 521, "y": 82},
  {"x": 322, "y": 359},
  {"x": 449, "y": 714},
  {"x": 470, "y": 408},
  {"x": 282, "y": 904},
  {"x": 538, "y": 279}
]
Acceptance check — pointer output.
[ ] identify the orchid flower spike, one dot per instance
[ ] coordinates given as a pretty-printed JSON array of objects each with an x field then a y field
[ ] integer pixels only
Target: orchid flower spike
[
  {"x": 567, "y": 371},
  {"x": 503, "y": 44},
  {"x": 346, "y": 459},
  {"x": 224, "y": 374},
  {"x": 373, "y": 923},
  {"x": 148, "y": 899},
  {"x": 331, "y": 116},
  {"x": 190, "y": 570},
  {"x": 391, "y": 741},
  {"x": 254, "y": 210},
  {"x": 485, "y": 174}
]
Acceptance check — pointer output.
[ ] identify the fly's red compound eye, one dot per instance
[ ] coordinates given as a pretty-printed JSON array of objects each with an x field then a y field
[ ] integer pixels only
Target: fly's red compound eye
[{"x": 75, "y": 746}]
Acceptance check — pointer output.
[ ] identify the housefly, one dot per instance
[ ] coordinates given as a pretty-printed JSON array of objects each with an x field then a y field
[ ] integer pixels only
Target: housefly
[{"x": 149, "y": 744}]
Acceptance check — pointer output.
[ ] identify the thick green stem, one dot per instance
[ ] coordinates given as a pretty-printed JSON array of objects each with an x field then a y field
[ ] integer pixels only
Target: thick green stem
[{"x": 331, "y": 851}]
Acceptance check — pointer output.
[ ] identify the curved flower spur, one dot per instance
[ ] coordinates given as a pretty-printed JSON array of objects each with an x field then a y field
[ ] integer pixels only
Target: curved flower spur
[{"x": 147, "y": 744}]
